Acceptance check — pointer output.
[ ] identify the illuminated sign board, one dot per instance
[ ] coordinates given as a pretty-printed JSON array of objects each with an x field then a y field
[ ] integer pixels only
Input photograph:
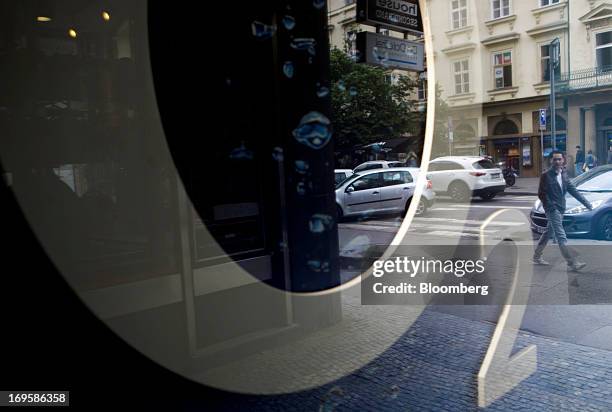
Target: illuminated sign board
[
  {"x": 390, "y": 52},
  {"x": 399, "y": 15}
]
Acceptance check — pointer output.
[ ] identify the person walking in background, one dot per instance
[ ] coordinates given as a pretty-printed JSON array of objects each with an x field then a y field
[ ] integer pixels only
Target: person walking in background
[
  {"x": 579, "y": 164},
  {"x": 554, "y": 184},
  {"x": 590, "y": 161},
  {"x": 610, "y": 154}
]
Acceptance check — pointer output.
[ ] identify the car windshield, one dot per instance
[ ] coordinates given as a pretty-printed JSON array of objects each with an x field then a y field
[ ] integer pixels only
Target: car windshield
[
  {"x": 599, "y": 182},
  {"x": 483, "y": 164},
  {"x": 344, "y": 180}
]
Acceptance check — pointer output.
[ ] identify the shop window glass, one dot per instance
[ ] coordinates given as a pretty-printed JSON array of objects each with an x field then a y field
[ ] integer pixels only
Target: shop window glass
[{"x": 95, "y": 191}]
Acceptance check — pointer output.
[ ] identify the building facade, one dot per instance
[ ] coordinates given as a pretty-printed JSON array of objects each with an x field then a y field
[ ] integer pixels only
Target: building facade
[{"x": 492, "y": 62}]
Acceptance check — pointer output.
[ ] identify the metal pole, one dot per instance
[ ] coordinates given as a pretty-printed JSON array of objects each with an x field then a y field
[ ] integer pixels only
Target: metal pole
[{"x": 542, "y": 148}]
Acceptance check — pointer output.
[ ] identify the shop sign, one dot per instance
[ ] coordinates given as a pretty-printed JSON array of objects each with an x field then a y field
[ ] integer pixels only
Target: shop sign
[
  {"x": 390, "y": 52},
  {"x": 399, "y": 15}
]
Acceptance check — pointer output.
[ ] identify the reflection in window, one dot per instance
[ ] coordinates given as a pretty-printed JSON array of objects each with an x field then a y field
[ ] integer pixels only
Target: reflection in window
[
  {"x": 545, "y": 64},
  {"x": 74, "y": 118},
  {"x": 604, "y": 50},
  {"x": 500, "y": 8},
  {"x": 502, "y": 69},
  {"x": 459, "y": 13}
]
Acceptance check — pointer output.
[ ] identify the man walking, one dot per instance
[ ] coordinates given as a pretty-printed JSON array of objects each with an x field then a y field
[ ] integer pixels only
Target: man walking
[
  {"x": 579, "y": 163},
  {"x": 554, "y": 184}
]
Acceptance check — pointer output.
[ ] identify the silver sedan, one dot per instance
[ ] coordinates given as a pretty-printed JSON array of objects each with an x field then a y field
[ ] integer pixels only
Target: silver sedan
[{"x": 382, "y": 191}]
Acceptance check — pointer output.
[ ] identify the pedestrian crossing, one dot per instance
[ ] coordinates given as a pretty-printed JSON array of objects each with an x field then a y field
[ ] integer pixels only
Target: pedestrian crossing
[
  {"x": 449, "y": 227},
  {"x": 454, "y": 228}
]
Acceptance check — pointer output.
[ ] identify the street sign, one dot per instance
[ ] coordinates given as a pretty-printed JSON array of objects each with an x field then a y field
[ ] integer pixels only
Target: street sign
[
  {"x": 390, "y": 52},
  {"x": 542, "y": 119},
  {"x": 399, "y": 15}
]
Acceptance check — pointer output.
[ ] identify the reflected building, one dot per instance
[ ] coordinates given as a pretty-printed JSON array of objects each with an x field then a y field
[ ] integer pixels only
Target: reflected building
[{"x": 493, "y": 58}]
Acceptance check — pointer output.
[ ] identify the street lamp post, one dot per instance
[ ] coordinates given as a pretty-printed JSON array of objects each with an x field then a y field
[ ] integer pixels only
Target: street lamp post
[{"x": 553, "y": 63}]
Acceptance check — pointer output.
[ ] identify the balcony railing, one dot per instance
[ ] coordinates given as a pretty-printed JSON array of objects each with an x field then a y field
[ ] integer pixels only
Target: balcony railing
[{"x": 585, "y": 79}]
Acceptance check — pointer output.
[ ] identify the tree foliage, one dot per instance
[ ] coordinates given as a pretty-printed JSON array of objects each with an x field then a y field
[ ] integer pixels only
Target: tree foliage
[
  {"x": 367, "y": 107},
  {"x": 440, "y": 134}
]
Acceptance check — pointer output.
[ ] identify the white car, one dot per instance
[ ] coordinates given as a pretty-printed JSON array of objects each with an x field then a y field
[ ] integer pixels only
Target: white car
[
  {"x": 462, "y": 177},
  {"x": 341, "y": 175},
  {"x": 382, "y": 191},
  {"x": 378, "y": 164}
]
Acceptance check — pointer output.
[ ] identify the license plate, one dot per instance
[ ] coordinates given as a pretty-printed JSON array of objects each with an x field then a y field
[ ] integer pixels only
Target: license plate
[{"x": 495, "y": 176}]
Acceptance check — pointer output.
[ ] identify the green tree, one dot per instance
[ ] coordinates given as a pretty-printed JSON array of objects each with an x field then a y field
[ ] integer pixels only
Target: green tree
[
  {"x": 366, "y": 106},
  {"x": 440, "y": 135}
]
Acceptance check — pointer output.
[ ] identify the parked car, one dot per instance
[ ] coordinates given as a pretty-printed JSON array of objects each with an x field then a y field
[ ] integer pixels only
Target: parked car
[
  {"x": 382, "y": 191},
  {"x": 377, "y": 164},
  {"x": 462, "y": 177},
  {"x": 578, "y": 221},
  {"x": 340, "y": 175}
]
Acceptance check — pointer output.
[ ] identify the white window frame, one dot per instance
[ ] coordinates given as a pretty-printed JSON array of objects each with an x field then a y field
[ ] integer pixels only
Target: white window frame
[
  {"x": 544, "y": 3},
  {"x": 463, "y": 85},
  {"x": 458, "y": 11},
  {"x": 605, "y": 46},
  {"x": 502, "y": 52},
  {"x": 422, "y": 88},
  {"x": 501, "y": 9}
]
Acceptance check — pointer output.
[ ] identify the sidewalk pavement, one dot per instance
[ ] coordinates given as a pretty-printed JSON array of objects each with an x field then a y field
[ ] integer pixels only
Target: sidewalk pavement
[
  {"x": 524, "y": 186},
  {"x": 433, "y": 367}
]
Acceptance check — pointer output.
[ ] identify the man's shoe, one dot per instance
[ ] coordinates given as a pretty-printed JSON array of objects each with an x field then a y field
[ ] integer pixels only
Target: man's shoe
[
  {"x": 576, "y": 266},
  {"x": 540, "y": 261}
]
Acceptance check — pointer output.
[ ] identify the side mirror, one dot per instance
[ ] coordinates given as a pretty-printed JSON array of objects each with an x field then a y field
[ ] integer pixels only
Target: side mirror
[{"x": 350, "y": 189}]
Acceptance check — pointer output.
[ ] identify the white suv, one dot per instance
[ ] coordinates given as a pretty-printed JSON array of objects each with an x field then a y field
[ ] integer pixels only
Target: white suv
[{"x": 462, "y": 177}]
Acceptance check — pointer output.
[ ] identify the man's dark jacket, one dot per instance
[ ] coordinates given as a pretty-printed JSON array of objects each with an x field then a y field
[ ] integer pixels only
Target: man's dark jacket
[{"x": 550, "y": 193}]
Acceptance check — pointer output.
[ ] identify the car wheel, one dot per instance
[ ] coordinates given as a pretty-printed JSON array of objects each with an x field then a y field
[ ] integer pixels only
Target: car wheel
[
  {"x": 605, "y": 227},
  {"x": 459, "y": 192},
  {"x": 421, "y": 208},
  {"x": 488, "y": 196}
]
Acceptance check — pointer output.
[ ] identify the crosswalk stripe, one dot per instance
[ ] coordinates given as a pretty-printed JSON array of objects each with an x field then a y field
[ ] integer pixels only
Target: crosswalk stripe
[
  {"x": 466, "y": 221},
  {"x": 491, "y": 207},
  {"x": 453, "y": 234},
  {"x": 449, "y": 227}
]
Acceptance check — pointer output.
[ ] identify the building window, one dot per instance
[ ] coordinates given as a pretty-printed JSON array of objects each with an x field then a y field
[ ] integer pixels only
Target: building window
[
  {"x": 603, "y": 50},
  {"x": 462, "y": 76},
  {"x": 422, "y": 88},
  {"x": 502, "y": 69},
  {"x": 545, "y": 63},
  {"x": 459, "y": 13},
  {"x": 500, "y": 8},
  {"x": 544, "y": 3}
]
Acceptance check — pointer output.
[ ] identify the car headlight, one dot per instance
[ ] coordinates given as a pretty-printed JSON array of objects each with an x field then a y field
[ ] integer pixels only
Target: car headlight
[
  {"x": 538, "y": 206},
  {"x": 582, "y": 208}
]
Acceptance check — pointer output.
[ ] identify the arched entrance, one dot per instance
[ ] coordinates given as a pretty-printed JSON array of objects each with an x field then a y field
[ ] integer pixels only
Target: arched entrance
[{"x": 506, "y": 149}]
